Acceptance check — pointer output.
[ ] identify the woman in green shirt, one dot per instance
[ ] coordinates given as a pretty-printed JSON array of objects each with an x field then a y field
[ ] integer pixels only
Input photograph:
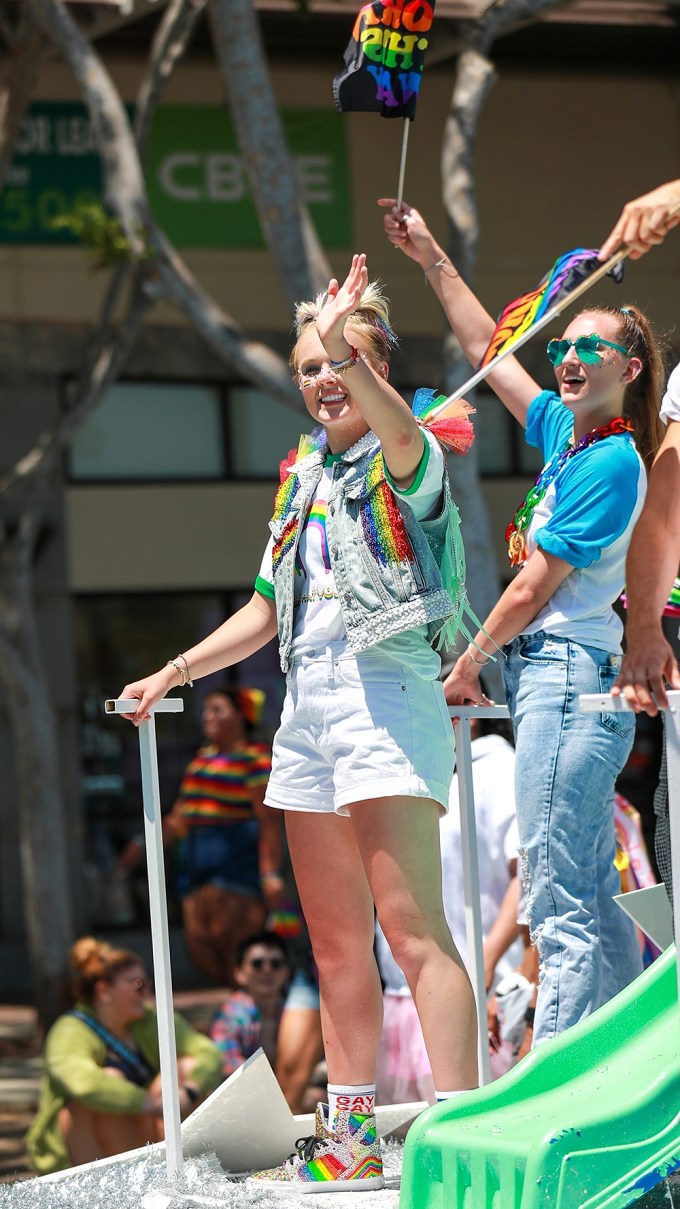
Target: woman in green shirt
[{"x": 101, "y": 1092}]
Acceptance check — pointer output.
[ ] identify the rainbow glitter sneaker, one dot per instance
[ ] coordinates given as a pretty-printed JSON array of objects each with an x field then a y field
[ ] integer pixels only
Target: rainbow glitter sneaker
[{"x": 344, "y": 1159}]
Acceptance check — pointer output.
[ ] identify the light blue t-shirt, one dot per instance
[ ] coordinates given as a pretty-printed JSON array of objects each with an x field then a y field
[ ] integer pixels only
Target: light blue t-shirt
[{"x": 586, "y": 517}]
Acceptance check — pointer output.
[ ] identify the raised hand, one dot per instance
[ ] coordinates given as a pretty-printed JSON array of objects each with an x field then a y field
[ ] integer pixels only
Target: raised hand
[
  {"x": 406, "y": 229},
  {"x": 340, "y": 302},
  {"x": 645, "y": 221}
]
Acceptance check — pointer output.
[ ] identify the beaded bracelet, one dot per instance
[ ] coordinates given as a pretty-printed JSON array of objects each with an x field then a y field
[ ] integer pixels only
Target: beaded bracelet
[
  {"x": 184, "y": 673},
  {"x": 347, "y": 363}
]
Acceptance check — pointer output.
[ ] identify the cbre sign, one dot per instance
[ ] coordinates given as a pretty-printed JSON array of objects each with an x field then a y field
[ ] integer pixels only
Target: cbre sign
[{"x": 197, "y": 185}]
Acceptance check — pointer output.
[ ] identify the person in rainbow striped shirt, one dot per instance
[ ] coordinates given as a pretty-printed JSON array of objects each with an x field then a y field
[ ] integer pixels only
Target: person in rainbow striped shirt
[{"x": 230, "y": 843}]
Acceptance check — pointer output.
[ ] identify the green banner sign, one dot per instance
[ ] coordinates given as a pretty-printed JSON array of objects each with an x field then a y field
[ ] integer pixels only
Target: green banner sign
[{"x": 196, "y": 181}]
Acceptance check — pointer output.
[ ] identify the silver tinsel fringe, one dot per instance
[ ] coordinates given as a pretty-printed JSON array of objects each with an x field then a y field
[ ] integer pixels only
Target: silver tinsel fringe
[{"x": 122, "y": 1186}]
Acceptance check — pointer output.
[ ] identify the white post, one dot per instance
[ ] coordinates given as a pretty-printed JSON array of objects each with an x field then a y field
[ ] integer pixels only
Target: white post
[
  {"x": 402, "y": 163},
  {"x": 594, "y": 703},
  {"x": 468, "y": 829},
  {"x": 158, "y": 908}
]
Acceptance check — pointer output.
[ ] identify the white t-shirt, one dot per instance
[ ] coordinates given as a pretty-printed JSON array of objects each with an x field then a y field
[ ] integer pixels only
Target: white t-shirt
[
  {"x": 670, "y": 404},
  {"x": 318, "y": 617},
  {"x": 493, "y": 775}
]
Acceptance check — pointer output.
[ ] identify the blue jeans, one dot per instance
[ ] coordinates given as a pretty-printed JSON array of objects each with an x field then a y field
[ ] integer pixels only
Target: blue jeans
[
  {"x": 567, "y": 762},
  {"x": 221, "y": 854}
]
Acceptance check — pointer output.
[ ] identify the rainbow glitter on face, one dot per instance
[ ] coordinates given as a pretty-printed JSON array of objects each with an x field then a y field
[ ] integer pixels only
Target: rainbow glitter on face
[{"x": 381, "y": 520}]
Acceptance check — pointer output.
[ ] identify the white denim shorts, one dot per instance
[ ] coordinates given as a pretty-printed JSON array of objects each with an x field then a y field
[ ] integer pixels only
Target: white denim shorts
[{"x": 356, "y": 727}]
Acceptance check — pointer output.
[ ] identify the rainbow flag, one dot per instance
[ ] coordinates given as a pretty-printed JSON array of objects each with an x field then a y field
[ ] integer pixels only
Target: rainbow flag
[
  {"x": 523, "y": 312},
  {"x": 384, "y": 58}
]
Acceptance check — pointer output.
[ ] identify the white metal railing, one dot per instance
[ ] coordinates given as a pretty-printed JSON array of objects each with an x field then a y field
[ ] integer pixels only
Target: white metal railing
[
  {"x": 461, "y": 716},
  {"x": 158, "y": 910}
]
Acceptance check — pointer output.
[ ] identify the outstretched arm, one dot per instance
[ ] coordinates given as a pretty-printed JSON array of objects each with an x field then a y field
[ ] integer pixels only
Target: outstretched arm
[
  {"x": 651, "y": 567},
  {"x": 471, "y": 323},
  {"x": 237, "y": 638},
  {"x": 645, "y": 221},
  {"x": 385, "y": 412}
]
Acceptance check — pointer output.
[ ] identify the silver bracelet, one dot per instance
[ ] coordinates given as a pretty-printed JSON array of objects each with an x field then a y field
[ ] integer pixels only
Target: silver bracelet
[
  {"x": 478, "y": 662},
  {"x": 439, "y": 264}
]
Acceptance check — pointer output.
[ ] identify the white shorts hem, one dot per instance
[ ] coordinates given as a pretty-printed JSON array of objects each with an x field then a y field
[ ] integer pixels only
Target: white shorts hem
[{"x": 369, "y": 792}]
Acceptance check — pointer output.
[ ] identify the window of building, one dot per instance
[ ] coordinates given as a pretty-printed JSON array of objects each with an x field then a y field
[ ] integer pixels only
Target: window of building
[
  {"x": 170, "y": 431},
  {"x": 261, "y": 432},
  {"x": 152, "y": 431}
]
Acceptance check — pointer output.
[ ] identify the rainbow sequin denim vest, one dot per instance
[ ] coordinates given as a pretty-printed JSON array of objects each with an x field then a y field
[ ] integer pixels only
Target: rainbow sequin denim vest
[{"x": 392, "y": 572}]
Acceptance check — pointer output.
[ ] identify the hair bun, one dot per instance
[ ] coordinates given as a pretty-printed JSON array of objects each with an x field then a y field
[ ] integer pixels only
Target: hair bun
[{"x": 87, "y": 950}]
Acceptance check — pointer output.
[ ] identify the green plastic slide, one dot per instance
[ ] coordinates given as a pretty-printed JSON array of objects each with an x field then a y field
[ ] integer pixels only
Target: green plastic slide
[{"x": 590, "y": 1120}]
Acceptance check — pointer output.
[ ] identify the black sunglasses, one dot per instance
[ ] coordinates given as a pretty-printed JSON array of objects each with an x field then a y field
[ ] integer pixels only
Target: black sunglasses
[{"x": 274, "y": 963}]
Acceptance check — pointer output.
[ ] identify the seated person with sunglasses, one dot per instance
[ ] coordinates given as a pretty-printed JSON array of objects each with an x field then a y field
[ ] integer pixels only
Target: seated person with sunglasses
[
  {"x": 250, "y": 1017},
  {"x": 554, "y": 626},
  {"x": 101, "y": 1092}
]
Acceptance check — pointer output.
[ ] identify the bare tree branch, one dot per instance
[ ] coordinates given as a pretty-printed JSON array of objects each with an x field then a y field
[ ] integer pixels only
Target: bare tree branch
[
  {"x": 301, "y": 263},
  {"x": 265, "y": 369},
  {"x": 111, "y": 354},
  {"x": 168, "y": 47},
  {"x": 167, "y": 274},
  {"x": 475, "y": 76},
  {"x": 124, "y": 190}
]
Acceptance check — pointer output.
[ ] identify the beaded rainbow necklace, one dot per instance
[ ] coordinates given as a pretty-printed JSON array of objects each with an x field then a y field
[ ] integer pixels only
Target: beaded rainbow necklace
[{"x": 514, "y": 534}]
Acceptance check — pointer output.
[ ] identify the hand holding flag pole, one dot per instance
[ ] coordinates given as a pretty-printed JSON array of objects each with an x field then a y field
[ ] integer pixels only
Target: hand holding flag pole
[{"x": 526, "y": 315}]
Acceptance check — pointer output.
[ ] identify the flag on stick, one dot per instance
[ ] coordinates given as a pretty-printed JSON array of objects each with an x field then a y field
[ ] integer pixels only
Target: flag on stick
[
  {"x": 521, "y": 314},
  {"x": 384, "y": 58},
  {"x": 569, "y": 278}
]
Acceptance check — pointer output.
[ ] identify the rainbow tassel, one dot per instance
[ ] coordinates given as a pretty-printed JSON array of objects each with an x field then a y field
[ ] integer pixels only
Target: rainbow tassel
[{"x": 452, "y": 427}]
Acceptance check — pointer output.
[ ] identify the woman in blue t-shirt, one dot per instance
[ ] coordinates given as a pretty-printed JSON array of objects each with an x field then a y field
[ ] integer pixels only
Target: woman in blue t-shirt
[{"x": 555, "y": 624}]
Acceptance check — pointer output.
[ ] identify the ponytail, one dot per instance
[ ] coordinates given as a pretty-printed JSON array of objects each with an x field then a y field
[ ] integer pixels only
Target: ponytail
[{"x": 642, "y": 398}]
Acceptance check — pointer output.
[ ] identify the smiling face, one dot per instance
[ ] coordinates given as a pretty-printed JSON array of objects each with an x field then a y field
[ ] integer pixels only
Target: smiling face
[
  {"x": 327, "y": 395},
  {"x": 264, "y": 971},
  {"x": 594, "y": 393}
]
